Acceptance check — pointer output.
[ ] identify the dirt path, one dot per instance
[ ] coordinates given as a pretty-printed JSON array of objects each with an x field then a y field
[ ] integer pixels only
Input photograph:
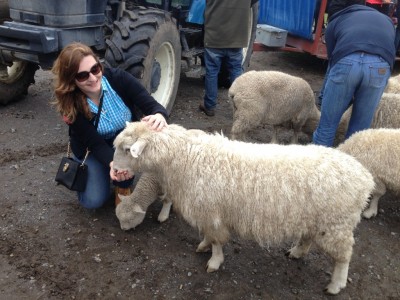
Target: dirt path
[{"x": 51, "y": 248}]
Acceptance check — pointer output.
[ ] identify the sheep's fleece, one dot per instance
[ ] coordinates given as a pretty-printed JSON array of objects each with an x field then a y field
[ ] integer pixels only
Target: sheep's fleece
[
  {"x": 379, "y": 151},
  {"x": 265, "y": 192},
  {"x": 393, "y": 85}
]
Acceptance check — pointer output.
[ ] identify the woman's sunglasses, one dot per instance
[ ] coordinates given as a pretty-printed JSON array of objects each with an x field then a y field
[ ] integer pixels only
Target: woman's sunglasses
[{"x": 82, "y": 76}]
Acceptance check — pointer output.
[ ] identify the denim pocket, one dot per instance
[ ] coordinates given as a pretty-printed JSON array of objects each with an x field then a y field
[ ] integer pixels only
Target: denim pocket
[
  {"x": 340, "y": 72},
  {"x": 378, "y": 75}
]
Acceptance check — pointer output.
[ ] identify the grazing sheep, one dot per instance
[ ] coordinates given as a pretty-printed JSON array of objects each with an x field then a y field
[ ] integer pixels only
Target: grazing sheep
[
  {"x": 393, "y": 85},
  {"x": 265, "y": 192},
  {"x": 379, "y": 151},
  {"x": 273, "y": 98},
  {"x": 132, "y": 209}
]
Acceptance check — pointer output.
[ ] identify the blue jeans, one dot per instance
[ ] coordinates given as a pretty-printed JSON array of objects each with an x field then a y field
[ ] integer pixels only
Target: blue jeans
[
  {"x": 213, "y": 58},
  {"x": 358, "y": 79},
  {"x": 97, "y": 191},
  {"x": 321, "y": 92}
]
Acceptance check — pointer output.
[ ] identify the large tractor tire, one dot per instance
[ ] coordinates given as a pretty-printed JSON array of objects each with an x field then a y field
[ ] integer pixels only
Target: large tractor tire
[
  {"x": 223, "y": 76},
  {"x": 146, "y": 43},
  {"x": 15, "y": 80}
]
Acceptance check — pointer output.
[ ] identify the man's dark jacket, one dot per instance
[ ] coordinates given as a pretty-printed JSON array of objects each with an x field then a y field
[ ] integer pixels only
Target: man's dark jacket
[{"x": 359, "y": 28}]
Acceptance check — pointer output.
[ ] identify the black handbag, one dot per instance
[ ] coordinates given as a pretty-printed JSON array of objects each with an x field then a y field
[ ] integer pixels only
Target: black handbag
[{"x": 71, "y": 173}]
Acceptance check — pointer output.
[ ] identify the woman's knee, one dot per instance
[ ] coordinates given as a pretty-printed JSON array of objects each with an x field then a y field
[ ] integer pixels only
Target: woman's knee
[{"x": 94, "y": 197}]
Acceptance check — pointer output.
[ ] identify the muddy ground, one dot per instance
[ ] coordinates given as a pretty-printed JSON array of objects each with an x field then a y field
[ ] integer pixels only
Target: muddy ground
[{"x": 51, "y": 248}]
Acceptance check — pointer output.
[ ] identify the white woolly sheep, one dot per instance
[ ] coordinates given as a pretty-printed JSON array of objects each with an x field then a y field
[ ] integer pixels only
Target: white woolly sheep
[
  {"x": 132, "y": 209},
  {"x": 265, "y": 192},
  {"x": 379, "y": 151},
  {"x": 273, "y": 98},
  {"x": 393, "y": 85}
]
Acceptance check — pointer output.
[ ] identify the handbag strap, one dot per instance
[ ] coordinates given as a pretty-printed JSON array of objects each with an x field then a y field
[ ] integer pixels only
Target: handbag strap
[
  {"x": 96, "y": 124},
  {"x": 69, "y": 153}
]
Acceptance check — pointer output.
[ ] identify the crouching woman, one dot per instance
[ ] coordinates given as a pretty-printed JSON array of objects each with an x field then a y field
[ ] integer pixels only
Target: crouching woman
[{"x": 82, "y": 86}]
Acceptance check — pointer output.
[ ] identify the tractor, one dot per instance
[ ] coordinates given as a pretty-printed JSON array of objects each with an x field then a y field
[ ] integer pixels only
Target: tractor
[{"x": 149, "y": 39}]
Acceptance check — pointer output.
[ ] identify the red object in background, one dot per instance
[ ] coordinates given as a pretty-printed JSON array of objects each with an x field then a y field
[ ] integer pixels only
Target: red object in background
[{"x": 315, "y": 47}]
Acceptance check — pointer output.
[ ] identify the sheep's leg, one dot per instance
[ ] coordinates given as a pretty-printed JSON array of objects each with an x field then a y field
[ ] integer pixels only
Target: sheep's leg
[
  {"x": 372, "y": 210},
  {"x": 274, "y": 139},
  {"x": 239, "y": 129},
  {"x": 204, "y": 246},
  {"x": 297, "y": 126},
  {"x": 302, "y": 247},
  {"x": 165, "y": 210},
  {"x": 339, "y": 245},
  {"x": 295, "y": 137},
  {"x": 339, "y": 278},
  {"x": 238, "y": 134},
  {"x": 216, "y": 259}
]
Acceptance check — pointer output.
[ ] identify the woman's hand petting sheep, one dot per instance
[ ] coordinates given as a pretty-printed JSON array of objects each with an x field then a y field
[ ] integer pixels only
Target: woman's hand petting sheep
[
  {"x": 119, "y": 175},
  {"x": 157, "y": 122}
]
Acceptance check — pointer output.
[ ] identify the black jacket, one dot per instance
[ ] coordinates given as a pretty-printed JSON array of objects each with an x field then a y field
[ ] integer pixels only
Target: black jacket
[
  {"x": 359, "y": 28},
  {"x": 84, "y": 135}
]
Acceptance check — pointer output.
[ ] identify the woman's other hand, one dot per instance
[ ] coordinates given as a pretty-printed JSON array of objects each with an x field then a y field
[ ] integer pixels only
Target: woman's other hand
[{"x": 119, "y": 175}]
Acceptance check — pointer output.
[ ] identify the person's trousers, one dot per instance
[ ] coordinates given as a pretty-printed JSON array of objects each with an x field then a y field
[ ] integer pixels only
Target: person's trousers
[
  {"x": 213, "y": 57},
  {"x": 358, "y": 79}
]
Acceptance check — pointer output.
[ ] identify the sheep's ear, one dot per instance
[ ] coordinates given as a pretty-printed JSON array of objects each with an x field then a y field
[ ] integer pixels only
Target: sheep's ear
[
  {"x": 138, "y": 209},
  {"x": 137, "y": 148},
  {"x": 126, "y": 123}
]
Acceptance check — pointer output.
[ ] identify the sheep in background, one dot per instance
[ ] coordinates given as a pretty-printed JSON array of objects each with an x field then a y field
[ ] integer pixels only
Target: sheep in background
[
  {"x": 387, "y": 115},
  {"x": 379, "y": 151},
  {"x": 265, "y": 192},
  {"x": 393, "y": 85},
  {"x": 132, "y": 209},
  {"x": 273, "y": 98}
]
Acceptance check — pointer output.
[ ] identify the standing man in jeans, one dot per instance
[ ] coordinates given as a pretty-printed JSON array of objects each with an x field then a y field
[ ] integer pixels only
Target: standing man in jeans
[
  {"x": 226, "y": 32},
  {"x": 361, "y": 53}
]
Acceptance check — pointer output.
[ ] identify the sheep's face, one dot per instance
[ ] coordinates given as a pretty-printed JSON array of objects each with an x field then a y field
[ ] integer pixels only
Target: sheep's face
[
  {"x": 123, "y": 159},
  {"x": 129, "y": 139},
  {"x": 129, "y": 216}
]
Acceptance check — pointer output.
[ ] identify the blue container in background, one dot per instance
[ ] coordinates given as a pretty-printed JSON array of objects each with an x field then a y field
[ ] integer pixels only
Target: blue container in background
[{"x": 295, "y": 16}]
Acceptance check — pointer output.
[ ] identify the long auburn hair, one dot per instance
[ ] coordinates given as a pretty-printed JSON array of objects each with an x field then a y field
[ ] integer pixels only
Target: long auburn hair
[{"x": 69, "y": 99}]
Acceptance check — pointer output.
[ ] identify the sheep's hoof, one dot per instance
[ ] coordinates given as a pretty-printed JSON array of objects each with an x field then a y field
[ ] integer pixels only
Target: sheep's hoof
[
  {"x": 333, "y": 288},
  {"x": 162, "y": 218},
  {"x": 203, "y": 249},
  {"x": 211, "y": 268},
  {"x": 294, "y": 253},
  {"x": 291, "y": 255},
  {"x": 204, "y": 246},
  {"x": 213, "y": 264},
  {"x": 369, "y": 213}
]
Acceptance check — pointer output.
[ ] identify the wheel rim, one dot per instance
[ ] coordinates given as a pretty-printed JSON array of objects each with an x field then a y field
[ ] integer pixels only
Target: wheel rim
[
  {"x": 9, "y": 74},
  {"x": 165, "y": 61}
]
